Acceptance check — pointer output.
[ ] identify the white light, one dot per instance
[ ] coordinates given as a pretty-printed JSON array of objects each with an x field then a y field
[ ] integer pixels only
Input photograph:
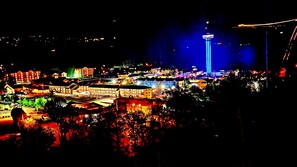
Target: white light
[
  {"x": 138, "y": 82},
  {"x": 114, "y": 81},
  {"x": 207, "y": 36}
]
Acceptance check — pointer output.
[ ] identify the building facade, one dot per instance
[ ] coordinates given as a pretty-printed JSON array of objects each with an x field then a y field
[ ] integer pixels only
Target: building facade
[{"x": 25, "y": 77}]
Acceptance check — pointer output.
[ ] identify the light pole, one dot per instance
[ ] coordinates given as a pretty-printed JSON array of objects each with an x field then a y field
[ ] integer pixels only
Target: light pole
[{"x": 266, "y": 58}]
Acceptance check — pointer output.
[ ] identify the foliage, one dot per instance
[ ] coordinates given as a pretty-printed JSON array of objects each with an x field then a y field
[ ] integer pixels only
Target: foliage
[
  {"x": 128, "y": 132},
  {"x": 141, "y": 74},
  {"x": 67, "y": 118},
  {"x": 172, "y": 72},
  {"x": 24, "y": 101},
  {"x": 17, "y": 115},
  {"x": 55, "y": 108},
  {"x": 30, "y": 103},
  {"x": 35, "y": 137},
  {"x": 70, "y": 72},
  {"x": 38, "y": 103}
]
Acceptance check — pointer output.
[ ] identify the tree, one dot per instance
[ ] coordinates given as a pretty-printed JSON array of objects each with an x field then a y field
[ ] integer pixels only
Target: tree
[
  {"x": 31, "y": 103},
  {"x": 35, "y": 139},
  {"x": 17, "y": 115},
  {"x": 25, "y": 101},
  {"x": 141, "y": 74},
  {"x": 54, "y": 108},
  {"x": 40, "y": 103},
  {"x": 186, "y": 107},
  {"x": 63, "y": 114},
  {"x": 70, "y": 72}
]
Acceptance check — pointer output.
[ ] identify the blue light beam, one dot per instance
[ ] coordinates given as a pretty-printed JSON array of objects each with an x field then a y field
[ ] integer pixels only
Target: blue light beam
[{"x": 208, "y": 38}]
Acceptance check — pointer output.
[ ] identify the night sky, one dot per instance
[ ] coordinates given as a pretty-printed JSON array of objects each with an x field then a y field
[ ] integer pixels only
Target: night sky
[{"x": 148, "y": 30}]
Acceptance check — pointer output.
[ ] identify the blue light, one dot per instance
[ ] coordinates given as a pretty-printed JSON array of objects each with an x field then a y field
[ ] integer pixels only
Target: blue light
[
  {"x": 208, "y": 56},
  {"x": 183, "y": 48},
  {"x": 208, "y": 38},
  {"x": 247, "y": 57}
]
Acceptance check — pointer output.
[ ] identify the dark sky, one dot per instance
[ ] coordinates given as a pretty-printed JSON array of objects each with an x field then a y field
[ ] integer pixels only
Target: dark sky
[
  {"x": 136, "y": 20},
  {"x": 69, "y": 16}
]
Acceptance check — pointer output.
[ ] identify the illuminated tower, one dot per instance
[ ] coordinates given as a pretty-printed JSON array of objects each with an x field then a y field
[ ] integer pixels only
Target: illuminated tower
[{"x": 208, "y": 38}]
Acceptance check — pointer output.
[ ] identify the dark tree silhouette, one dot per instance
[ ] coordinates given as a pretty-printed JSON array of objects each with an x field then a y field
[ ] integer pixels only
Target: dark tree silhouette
[
  {"x": 17, "y": 115},
  {"x": 63, "y": 114},
  {"x": 35, "y": 140},
  {"x": 55, "y": 108}
]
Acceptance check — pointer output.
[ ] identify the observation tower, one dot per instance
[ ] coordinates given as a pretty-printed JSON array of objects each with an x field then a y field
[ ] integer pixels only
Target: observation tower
[{"x": 207, "y": 37}]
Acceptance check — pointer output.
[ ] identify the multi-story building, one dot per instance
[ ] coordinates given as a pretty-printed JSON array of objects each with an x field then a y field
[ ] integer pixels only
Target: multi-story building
[
  {"x": 84, "y": 72},
  {"x": 72, "y": 87},
  {"x": 131, "y": 105},
  {"x": 62, "y": 86},
  {"x": 25, "y": 77},
  {"x": 121, "y": 91}
]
